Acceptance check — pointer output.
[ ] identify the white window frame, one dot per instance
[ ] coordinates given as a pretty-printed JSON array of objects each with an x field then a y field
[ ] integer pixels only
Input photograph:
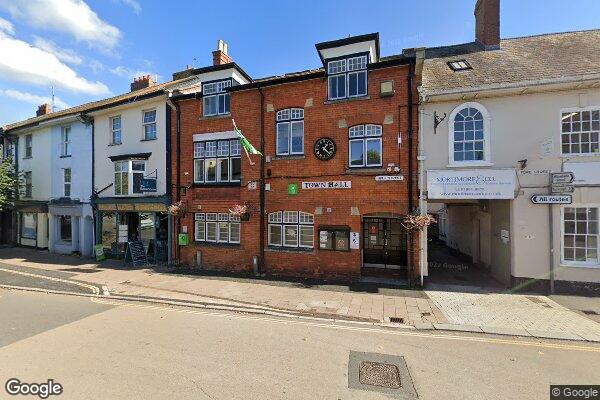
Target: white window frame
[
  {"x": 203, "y": 220},
  {"x": 217, "y": 90},
  {"x": 560, "y": 130},
  {"x": 28, "y": 186},
  {"x": 28, "y": 146},
  {"x": 113, "y": 130},
  {"x": 65, "y": 141},
  {"x": 289, "y": 117},
  {"x": 290, "y": 219},
  {"x": 345, "y": 69},
  {"x": 200, "y": 154},
  {"x": 364, "y": 137},
  {"x": 69, "y": 183},
  {"x": 487, "y": 123},
  {"x": 144, "y": 124},
  {"x": 130, "y": 172},
  {"x": 572, "y": 263}
]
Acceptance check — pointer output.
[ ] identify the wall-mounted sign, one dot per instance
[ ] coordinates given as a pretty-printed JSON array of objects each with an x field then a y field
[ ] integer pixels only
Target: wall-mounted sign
[
  {"x": 384, "y": 178},
  {"x": 292, "y": 189},
  {"x": 471, "y": 184},
  {"x": 547, "y": 147},
  {"x": 562, "y": 177},
  {"x": 252, "y": 185},
  {"x": 528, "y": 172},
  {"x": 586, "y": 173},
  {"x": 148, "y": 184},
  {"x": 551, "y": 199},
  {"x": 562, "y": 188},
  {"x": 354, "y": 240},
  {"x": 327, "y": 185}
]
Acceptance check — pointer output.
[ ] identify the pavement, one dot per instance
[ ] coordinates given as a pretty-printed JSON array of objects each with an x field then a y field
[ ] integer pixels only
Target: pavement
[
  {"x": 97, "y": 347},
  {"x": 439, "y": 309}
]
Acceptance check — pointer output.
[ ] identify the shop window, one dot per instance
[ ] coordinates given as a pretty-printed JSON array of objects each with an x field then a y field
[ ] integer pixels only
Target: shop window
[
  {"x": 334, "y": 239},
  {"x": 580, "y": 236},
  {"x": 290, "y": 132},
  {"x": 29, "y": 226},
  {"x": 109, "y": 231},
  {"x": 365, "y": 146},
  {"x": 217, "y": 228},
  {"x": 215, "y": 98},
  {"x": 217, "y": 161},
  {"x": 580, "y": 131},
  {"x": 469, "y": 134},
  {"x": 64, "y": 223},
  {"x": 347, "y": 77},
  {"x": 291, "y": 229}
]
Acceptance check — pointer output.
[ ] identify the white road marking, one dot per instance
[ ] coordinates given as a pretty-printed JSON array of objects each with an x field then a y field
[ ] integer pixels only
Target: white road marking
[{"x": 94, "y": 289}]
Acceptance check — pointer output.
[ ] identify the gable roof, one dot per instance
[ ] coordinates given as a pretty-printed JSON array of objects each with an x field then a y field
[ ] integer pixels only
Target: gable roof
[
  {"x": 133, "y": 96},
  {"x": 530, "y": 59}
]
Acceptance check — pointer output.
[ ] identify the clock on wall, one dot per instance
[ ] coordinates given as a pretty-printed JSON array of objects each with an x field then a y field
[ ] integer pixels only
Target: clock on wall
[{"x": 324, "y": 149}]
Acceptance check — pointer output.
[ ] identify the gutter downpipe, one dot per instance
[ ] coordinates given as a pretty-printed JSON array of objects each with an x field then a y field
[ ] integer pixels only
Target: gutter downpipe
[
  {"x": 423, "y": 264},
  {"x": 171, "y": 225},
  {"x": 261, "y": 264},
  {"x": 409, "y": 82}
]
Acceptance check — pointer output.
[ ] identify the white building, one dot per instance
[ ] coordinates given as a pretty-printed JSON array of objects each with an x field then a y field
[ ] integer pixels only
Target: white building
[{"x": 497, "y": 117}]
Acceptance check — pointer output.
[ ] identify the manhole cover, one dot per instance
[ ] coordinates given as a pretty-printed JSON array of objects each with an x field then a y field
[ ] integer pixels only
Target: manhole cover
[{"x": 379, "y": 374}]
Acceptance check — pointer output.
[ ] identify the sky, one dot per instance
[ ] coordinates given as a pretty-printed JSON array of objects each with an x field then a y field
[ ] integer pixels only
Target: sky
[{"x": 92, "y": 49}]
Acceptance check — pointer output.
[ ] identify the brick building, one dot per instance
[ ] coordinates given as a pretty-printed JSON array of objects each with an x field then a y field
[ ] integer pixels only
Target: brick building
[{"x": 336, "y": 176}]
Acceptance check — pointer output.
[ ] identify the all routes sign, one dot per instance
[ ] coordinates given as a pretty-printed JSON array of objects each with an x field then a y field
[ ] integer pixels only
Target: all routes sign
[{"x": 551, "y": 199}]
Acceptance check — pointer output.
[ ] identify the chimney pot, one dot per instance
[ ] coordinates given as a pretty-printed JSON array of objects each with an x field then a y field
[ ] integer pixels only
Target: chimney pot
[
  {"x": 487, "y": 23},
  {"x": 44, "y": 109},
  {"x": 142, "y": 82}
]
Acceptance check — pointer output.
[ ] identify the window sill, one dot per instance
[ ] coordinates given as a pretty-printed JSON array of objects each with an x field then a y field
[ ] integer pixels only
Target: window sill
[
  {"x": 579, "y": 155},
  {"x": 217, "y": 184},
  {"x": 347, "y": 99},
  {"x": 470, "y": 164},
  {"x": 205, "y": 117},
  {"x": 27, "y": 158},
  {"x": 69, "y": 156},
  {"x": 290, "y": 157},
  {"x": 148, "y": 140},
  {"x": 365, "y": 170},
  {"x": 574, "y": 265},
  {"x": 115, "y": 144},
  {"x": 216, "y": 244},
  {"x": 283, "y": 249}
]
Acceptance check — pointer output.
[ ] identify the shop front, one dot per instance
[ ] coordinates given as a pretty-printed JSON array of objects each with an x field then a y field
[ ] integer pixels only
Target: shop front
[
  {"x": 32, "y": 221},
  {"x": 120, "y": 221},
  {"x": 71, "y": 227}
]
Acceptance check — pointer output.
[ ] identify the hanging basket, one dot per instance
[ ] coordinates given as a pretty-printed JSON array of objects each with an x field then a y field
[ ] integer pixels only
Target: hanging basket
[
  {"x": 178, "y": 210},
  {"x": 417, "y": 222},
  {"x": 245, "y": 216}
]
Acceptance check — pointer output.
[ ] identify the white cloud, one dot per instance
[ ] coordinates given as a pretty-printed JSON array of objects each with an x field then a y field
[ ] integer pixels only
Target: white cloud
[
  {"x": 129, "y": 73},
  {"x": 22, "y": 62},
  {"x": 135, "y": 6},
  {"x": 73, "y": 17},
  {"x": 33, "y": 98},
  {"x": 96, "y": 66},
  {"x": 6, "y": 27},
  {"x": 65, "y": 55}
]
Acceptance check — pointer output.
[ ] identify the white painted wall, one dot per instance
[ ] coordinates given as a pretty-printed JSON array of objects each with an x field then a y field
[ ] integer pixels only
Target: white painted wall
[{"x": 39, "y": 164}]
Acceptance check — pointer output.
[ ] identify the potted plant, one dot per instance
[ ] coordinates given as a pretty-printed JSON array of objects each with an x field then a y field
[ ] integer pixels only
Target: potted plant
[{"x": 241, "y": 211}]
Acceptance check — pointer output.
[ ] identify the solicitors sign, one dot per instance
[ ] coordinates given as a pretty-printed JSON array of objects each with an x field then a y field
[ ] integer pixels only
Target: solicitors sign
[{"x": 471, "y": 184}]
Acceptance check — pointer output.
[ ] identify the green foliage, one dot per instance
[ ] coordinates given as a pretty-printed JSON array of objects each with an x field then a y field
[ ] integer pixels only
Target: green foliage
[{"x": 8, "y": 181}]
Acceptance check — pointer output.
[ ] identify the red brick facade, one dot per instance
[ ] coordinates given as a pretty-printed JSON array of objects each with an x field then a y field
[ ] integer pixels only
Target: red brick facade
[{"x": 330, "y": 207}]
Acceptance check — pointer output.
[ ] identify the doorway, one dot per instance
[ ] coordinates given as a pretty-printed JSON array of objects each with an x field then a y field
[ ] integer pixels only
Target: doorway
[{"x": 385, "y": 244}]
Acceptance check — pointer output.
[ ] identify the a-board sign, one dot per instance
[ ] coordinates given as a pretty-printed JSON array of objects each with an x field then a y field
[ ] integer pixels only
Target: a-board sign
[
  {"x": 551, "y": 199},
  {"x": 99, "y": 252},
  {"x": 136, "y": 254}
]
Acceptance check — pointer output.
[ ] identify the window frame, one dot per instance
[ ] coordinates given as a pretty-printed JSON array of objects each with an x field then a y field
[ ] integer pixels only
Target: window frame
[
  {"x": 21, "y": 225},
  {"x": 278, "y": 219},
  {"x": 60, "y": 228},
  {"x": 574, "y": 263},
  {"x": 220, "y": 92},
  {"x": 65, "y": 141},
  {"x": 200, "y": 156},
  {"x": 28, "y": 178},
  {"x": 113, "y": 130},
  {"x": 290, "y": 120},
  {"x": 365, "y": 138},
  {"x": 130, "y": 174},
  {"x": 69, "y": 183},
  {"x": 28, "y": 145},
  {"x": 590, "y": 132},
  {"x": 144, "y": 124},
  {"x": 345, "y": 71},
  {"x": 487, "y": 158},
  {"x": 202, "y": 221}
]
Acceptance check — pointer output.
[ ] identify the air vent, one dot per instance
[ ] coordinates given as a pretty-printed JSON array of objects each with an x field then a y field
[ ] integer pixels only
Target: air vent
[{"x": 386, "y": 89}]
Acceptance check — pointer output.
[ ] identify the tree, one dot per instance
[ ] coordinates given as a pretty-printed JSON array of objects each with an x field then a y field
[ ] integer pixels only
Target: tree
[{"x": 8, "y": 181}]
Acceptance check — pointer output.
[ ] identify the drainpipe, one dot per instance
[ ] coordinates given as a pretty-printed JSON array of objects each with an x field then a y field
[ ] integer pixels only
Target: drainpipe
[
  {"x": 92, "y": 197},
  {"x": 171, "y": 226},
  {"x": 420, "y": 56},
  {"x": 261, "y": 264},
  {"x": 409, "y": 83}
]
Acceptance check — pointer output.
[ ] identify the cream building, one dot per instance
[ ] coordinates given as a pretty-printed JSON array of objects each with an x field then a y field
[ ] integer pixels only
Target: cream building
[{"x": 497, "y": 118}]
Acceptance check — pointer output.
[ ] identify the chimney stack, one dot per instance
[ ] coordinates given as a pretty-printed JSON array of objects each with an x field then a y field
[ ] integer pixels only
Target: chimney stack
[
  {"x": 220, "y": 55},
  {"x": 487, "y": 23},
  {"x": 142, "y": 82},
  {"x": 44, "y": 109}
]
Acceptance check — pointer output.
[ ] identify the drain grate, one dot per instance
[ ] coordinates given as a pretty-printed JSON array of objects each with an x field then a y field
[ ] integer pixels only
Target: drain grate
[
  {"x": 379, "y": 374},
  {"x": 589, "y": 312},
  {"x": 426, "y": 314},
  {"x": 397, "y": 320}
]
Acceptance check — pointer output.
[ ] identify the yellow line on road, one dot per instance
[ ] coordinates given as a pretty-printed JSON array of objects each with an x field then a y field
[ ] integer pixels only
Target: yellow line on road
[
  {"x": 94, "y": 289},
  {"x": 335, "y": 325}
]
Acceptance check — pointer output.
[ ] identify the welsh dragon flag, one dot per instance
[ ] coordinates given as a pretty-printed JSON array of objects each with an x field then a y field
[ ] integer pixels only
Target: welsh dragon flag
[{"x": 245, "y": 143}]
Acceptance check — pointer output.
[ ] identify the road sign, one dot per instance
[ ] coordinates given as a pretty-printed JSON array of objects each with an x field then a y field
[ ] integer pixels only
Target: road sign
[
  {"x": 551, "y": 199},
  {"x": 562, "y": 177},
  {"x": 562, "y": 188}
]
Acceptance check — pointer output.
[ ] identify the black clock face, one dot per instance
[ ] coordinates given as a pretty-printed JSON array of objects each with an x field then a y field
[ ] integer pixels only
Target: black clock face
[{"x": 324, "y": 149}]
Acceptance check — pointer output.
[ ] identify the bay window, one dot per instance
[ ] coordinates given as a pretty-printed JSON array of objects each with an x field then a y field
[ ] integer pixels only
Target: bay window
[
  {"x": 290, "y": 131},
  {"x": 291, "y": 229},
  {"x": 365, "y": 146},
  {"x": 347, "y": 77},
  {"x": 218, "y": 161},
  {"x": 215, "y": 98},
  {"x": 128, "y": 176},
  {"x": 217, "y": 228}
]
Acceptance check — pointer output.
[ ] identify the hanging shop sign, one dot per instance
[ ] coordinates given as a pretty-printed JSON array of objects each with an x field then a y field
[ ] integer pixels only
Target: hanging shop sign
[
  {"x": 148, "y": 184},
  {"x": 471, "y": 184},
  {"x": 327, "y": 185},
  {"x": 386, "y": 178},
  {"x": 551, "y": 199}
]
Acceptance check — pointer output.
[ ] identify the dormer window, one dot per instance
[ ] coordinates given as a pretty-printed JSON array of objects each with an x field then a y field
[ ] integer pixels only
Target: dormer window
[
  {"x": 215, "y": 98},
  {"x": 347, "y": 77}
]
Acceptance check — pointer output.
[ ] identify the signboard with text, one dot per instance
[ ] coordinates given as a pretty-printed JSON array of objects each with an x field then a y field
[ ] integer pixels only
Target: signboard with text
[
  {"x": 148, "y": 184},
  {"x": 471, "y": 184},
  {"x": 551, "y": 199},
  {"x": 327, "y": 185}
]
